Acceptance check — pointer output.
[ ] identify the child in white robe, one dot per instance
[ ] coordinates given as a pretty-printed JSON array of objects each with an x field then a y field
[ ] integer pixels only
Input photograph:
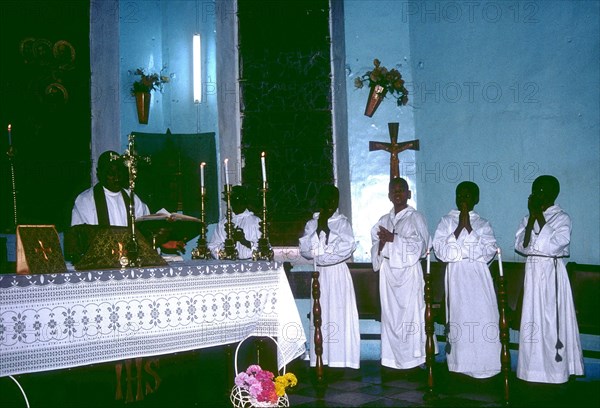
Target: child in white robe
[
  {"x": 466, "y": 242},
  {"x": 549, "y": 344},
  {"x": 329, "y": 240},
  {"x": 400, "y": 239},
  {"x": 246, "y": 227}
]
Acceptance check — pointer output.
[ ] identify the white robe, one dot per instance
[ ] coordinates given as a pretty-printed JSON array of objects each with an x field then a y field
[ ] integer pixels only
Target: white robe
[
  {"x": 545, "y": 276},
  {"x": 84, "y": 210},
  {"x": 471, "y": 305},
  {"x": 339, "y": 324},
  {"x": 249, "y": 223},
  {"x": 401, "y": 287}
]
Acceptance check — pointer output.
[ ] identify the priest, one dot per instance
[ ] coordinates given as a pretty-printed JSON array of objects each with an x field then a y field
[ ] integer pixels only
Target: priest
[{"x": 107, "y": 203}]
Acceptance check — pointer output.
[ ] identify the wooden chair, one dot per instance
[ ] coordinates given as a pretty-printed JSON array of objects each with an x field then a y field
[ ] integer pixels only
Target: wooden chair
[
  {"x": 585, "y": 284},
  {"x": 435, "y": 312}
]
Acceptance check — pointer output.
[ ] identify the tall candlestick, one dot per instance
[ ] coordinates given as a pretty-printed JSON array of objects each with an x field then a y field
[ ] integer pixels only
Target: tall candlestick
[
  {"x": 202, "y": 174},
  {"x": 500, "y": 263},
  {"x": 9, "y": 135},
  {"x": 428, "y": 262},
  {"x": 226, "y": 172},
  {"x": 264, "y": 167}
]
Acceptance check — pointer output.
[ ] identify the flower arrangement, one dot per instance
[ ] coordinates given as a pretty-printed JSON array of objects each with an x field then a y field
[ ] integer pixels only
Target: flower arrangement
[
  {"x": 262, "y": 385},
  {"x": 390, "y": 80},
  {"x": 148, "y": 82}
]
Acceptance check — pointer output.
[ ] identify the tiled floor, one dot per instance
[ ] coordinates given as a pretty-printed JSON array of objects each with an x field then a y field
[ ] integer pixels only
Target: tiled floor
[
  {"x": 202, "y": 378},
  {"x": 372, "y": 386}
]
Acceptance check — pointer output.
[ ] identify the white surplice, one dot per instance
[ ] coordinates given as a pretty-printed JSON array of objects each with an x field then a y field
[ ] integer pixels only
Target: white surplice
[
  {"x": 544, "y": 313},
  {"x": 248, "y": 222},
  {"x": 340, "y": 327},
  {"x": 84, "y": 210},
  {"x": 401, "y": 287},
  {"x": 471, "y": 305}
]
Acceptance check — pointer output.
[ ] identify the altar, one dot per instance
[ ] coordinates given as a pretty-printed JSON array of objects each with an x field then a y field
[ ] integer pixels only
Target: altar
[{"x": 52, "y": 322}]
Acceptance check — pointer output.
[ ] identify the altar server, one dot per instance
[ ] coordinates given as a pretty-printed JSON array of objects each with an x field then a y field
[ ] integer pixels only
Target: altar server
[
  {"x": 467, "y": 243},
  {"x": 549, "y": 345},
  {"x": 400, "y": 239},
  {"x": 329, "y": 240},
  {"x": 246, "y": 226}
]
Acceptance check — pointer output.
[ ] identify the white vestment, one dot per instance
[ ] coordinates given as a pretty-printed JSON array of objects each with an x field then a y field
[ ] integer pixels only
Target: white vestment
[
  {"x": 401, "y": 287},
  {"x": 543, "y": 314},
  {"x": 471, "y": 305},
  {"x": 249, "y": 223},
  {"x": 340, "y": 327},
  {"x": 84, "y": 210}
]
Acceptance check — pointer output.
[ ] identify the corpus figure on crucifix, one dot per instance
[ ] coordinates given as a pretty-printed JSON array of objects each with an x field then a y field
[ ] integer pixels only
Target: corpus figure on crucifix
[{"x": 394, "y": 148}]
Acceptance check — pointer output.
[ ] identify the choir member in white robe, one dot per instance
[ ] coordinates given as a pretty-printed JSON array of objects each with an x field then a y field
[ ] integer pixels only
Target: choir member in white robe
[
  {"x": 246, "y": 227},
  {"x": 400, "y": 239},
  {"x": 329, "y": 240},
  {"x": 107, "y": 202},
  {"x": 466, "y": 242},
  {"x": 549, "y": 344}
]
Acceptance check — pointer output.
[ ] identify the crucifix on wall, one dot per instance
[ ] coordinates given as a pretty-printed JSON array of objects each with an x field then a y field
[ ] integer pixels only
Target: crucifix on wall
[{"x": 394, "y": 148}]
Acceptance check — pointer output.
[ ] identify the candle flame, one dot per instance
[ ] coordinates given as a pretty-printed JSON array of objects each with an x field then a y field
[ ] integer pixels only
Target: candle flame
[
  {"x": 262, "y": 154},
  {"x": 9, "y": 127}
]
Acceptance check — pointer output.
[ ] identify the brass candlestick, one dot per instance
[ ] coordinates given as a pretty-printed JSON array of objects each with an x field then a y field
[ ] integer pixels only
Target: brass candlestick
[
  {"x": 229, "y": 250},
  {"x": 263, "y": 252},
  {"x": 201, "y": 251},
  {"x": 11, "y": 153},
  {"x": 131, "y": 159}
]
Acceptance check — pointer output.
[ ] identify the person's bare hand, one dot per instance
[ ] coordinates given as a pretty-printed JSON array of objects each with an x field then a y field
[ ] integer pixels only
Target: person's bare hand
[{"x": 385, "y": 235}]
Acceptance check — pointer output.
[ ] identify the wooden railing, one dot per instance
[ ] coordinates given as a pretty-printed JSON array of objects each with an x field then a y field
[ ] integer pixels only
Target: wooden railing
[{"x": 585, "y": 284}]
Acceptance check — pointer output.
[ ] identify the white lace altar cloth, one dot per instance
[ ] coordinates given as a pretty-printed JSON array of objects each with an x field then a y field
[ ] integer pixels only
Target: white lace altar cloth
[{"x": 57, "y": 321}]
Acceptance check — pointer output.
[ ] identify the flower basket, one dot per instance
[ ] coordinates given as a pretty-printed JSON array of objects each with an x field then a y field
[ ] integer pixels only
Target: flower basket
[{"x": 240, "y": 397}]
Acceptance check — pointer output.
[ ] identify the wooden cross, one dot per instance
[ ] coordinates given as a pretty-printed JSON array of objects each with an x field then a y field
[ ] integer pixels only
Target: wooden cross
[{"x": 394, "y": 148}]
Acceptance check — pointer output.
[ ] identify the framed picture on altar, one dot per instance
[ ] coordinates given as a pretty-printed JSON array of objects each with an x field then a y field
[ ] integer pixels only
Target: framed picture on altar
[{"x": 39, "y": 250}]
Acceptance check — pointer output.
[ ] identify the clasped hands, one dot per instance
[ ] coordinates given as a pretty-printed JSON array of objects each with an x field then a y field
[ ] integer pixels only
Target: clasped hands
[
  {"x": 464, "y": 221},
  {"x": 240, "y": 236},
  {"x": 323, "y": 226},
  {"x": 384, "y": 236}
]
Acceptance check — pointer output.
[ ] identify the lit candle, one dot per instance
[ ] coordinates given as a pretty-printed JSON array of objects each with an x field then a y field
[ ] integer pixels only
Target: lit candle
[
  {"x": 226, "y": 172},
  {"x": 202, "y": 174},
  {"x": 500, "y": 263},
  {"x": 428, "y": 262},
  {"x": 264, "y": 167},
  {"x": 9, "y": 135}
]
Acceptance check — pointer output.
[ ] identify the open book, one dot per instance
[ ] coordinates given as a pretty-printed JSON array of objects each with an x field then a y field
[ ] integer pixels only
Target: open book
[
  {"x": 165, "y": 226},
  {"x": 163, "y": 214}
]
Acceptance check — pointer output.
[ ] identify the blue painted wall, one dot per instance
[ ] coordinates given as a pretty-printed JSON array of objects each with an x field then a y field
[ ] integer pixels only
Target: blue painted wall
[
  {"x": 501, "y": 92},
  {"x": 504, "y": 92},
  {"x": 156, "y": 35},
  {"x": 371, "y": 33}
]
